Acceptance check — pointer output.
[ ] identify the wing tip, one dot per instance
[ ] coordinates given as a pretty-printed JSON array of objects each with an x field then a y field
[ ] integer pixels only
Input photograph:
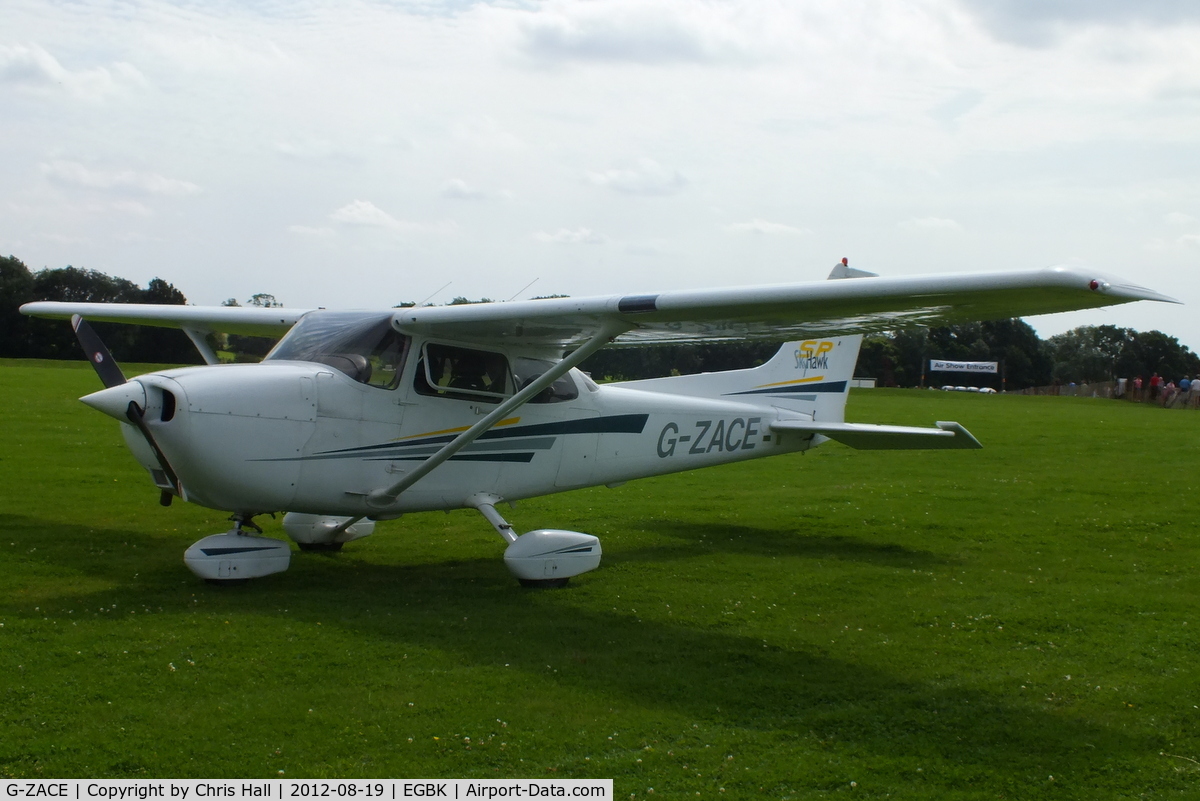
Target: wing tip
[{"x": 1120, "y": 290}]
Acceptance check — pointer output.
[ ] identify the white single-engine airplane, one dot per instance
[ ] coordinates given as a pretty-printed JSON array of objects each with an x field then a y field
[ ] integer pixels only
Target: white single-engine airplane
[{"x": 358, "y": 416}]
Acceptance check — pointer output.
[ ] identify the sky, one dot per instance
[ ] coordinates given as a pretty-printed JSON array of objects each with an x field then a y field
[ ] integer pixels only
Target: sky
[{"x": 362, "y": 154}]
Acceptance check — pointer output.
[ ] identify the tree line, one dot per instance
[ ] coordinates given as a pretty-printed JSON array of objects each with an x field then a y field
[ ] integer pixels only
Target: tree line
[
  {"x": 901, "y": 358},
  {"x": 30, "y": 338},
  {"x": 1084, "y": 355}
]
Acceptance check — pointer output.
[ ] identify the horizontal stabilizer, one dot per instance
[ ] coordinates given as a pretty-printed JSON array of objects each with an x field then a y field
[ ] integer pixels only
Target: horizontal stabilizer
[{"x": 864, "y": 436}]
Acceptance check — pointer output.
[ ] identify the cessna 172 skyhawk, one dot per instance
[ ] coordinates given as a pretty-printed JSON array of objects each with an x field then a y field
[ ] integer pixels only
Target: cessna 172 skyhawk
[{"x": 359, "y": 416}]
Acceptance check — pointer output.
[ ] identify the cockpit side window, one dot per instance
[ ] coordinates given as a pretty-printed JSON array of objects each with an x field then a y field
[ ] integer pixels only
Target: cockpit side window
[
  {"x": 387, "y": 360},
  {"x": 362, "y": 345},
  {"x": 449, "y": 371}
]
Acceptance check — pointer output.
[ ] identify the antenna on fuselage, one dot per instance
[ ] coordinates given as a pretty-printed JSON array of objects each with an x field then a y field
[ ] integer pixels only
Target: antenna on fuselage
[
  {"x": 434, "y": 292},
  {"x": 522, "y": 289}
]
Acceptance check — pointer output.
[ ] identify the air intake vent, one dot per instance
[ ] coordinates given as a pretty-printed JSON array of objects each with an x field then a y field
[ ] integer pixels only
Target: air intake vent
[{"x": 168, "y": 406}]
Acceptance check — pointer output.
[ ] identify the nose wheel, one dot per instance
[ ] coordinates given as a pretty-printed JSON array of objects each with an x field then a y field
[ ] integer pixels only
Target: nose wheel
[{"x": 236, "y": 555}]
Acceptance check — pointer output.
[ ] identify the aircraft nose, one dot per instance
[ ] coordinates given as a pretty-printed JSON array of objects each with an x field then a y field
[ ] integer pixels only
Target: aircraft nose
[{"x": 115, "y": 400}]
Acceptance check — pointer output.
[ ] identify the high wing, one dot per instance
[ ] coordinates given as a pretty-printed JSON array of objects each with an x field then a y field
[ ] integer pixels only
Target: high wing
[
  {"x": 244, "y": 320},
  {"x": 779, "y": 312},
  {"x": 775, "y": 312}
]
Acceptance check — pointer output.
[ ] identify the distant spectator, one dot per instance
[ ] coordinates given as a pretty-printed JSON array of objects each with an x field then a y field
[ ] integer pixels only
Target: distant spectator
[
  {"x": 1185, "y": 384},
  {"x": 1155, "y": 385},
  {"x": 1137, "y": 389}
]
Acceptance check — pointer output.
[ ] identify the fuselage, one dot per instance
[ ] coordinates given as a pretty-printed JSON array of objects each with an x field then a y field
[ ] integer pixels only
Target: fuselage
[{"x": 300, "y": 436}]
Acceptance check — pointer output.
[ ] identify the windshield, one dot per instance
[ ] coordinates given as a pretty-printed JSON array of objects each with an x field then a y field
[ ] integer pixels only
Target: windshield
[{"x": 363, "y": 345}]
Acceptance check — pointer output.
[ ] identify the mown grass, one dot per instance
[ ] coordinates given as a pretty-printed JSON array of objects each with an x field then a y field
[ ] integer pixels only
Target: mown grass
[{"x": 1016, "y": 622}]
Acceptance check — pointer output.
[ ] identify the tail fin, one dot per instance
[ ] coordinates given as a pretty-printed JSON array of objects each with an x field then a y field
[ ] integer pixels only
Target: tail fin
[{"x": 810, "y": 376}]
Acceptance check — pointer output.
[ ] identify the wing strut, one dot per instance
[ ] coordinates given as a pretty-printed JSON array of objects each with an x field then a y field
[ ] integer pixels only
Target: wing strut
[
  {"x": 197, "y": 337},
  {"x": 383, "y": 498}
]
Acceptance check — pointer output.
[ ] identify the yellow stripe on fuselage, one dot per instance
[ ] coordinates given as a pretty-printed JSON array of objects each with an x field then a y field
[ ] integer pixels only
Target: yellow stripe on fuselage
[{"x": 458, "y": 430}]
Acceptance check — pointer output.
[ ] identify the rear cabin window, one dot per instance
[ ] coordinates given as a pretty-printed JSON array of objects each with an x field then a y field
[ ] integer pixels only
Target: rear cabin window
[{"x": 448, "y": 371}]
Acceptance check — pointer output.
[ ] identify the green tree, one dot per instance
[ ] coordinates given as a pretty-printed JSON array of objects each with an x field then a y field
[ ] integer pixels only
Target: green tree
[
  {"x": 52, "y": 339},
  {"x": 16, "y": 288},
  {"x": 1156, "y": 352},
  {"x": 247, "y": 348},
  {"x": 1089, "y": 353},
  {"x": 155, "y": 344},
  {"x": 263, "y": 300}
]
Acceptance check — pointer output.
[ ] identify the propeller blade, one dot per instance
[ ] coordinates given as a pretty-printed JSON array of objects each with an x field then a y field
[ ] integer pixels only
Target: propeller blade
[
  {"x": 137, "y": 416},
  {"x": 110, "y": 374}
]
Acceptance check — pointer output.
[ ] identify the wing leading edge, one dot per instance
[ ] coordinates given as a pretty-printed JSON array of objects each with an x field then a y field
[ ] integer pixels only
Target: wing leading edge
[{"x": 244, "y": 320}]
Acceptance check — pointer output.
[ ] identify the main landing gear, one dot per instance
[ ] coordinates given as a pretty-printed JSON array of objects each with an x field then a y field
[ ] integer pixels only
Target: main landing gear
[{"x": 545, "y": 558}]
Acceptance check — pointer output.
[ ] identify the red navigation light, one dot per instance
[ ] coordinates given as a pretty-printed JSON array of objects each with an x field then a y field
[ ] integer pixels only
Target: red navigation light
[
  {"x": 1093, "y": 284},
  {"x": 845, "y": 261}
]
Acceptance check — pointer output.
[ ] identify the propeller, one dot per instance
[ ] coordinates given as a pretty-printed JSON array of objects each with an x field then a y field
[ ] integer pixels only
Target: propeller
[
  {"x": 111, "y": 376},
  {"x": 93, "y": 347}
]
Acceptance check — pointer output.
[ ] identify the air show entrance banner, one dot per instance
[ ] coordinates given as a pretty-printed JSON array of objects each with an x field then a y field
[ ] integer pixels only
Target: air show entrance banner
[
  {"x": 285, "y": 789},
  {"x": 940, "y": 366}
]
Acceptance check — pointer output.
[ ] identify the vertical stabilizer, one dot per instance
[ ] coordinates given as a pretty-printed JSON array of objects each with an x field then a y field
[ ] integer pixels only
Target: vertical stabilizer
[{"x": 809, "y": 376}]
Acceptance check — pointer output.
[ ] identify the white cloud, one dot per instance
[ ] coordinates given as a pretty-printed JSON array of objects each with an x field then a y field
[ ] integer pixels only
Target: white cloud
[
  {"x": 32, "y": 68},
  {"x": 669, "y": 31},
  {"x": 645, "y": 177},
  {"x": 580, "y": 236},
  {"x": 458, "y": 189},
  {"x": 1040, "y": 22},
  {"x": 757, "y": 226},
  {"x": 365, "y": 214},
  {"x": 1179, "y": 218},
  {"x": 930, "y": 224},
  {"x": 305, "y": 149},
  {"x": 1190, "y": 240},
  {"x": 74, "y": 174},
  {"x": 320, "y": 232},
  {"x": 484, "y": 133},
  {"x": 133, "y": 207}
]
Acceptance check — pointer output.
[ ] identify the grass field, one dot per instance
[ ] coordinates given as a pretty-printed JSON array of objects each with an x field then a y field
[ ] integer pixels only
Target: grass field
[{"x": 1017, "y": 622}]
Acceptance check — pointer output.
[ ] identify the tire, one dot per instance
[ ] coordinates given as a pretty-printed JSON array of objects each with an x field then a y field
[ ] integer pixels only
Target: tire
[{"x": 321, "y": 547}]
